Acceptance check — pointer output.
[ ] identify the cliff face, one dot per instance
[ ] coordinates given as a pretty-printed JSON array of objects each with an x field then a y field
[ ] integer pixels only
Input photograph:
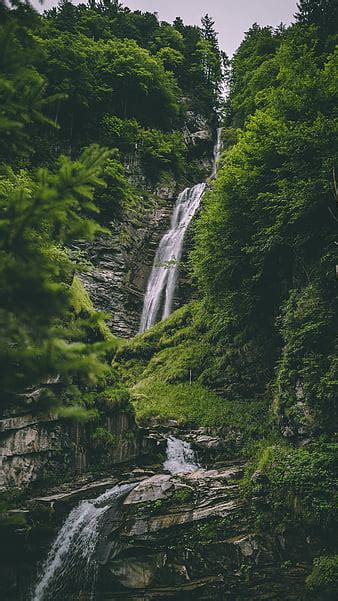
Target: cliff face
[
  {"x": 122, "y": 261},
  {"x": 117, "y": 282},
  {"x": 38, "y": 450},
  {"x": 181, "y": 536}
]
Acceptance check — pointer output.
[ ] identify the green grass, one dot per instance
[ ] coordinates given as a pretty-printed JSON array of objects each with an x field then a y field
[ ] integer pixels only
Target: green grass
[
  {"x": 157, "y": 367},
  {"x": 192, "y": 404}
]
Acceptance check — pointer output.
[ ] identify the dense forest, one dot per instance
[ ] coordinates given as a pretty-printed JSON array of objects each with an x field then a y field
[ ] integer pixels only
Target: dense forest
[{"x": 250, "y": 352}]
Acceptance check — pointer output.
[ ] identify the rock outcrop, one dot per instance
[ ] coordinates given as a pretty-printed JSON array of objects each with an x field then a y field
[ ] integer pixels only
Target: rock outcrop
[
  {"x": 186, "y": 537},
  {"x": 122, "y": 261},
  {"x": 37, "y": 450},
  {"x": 121, "y": 266}
]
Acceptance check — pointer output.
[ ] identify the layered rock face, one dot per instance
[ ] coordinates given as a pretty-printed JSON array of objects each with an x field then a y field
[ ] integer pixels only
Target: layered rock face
[
  {"x": 122, "y": 261},
  {"x": 117, "y": 282},
  {"x": 186, "y": 537},
  {"x": 183, "y": 536},
  {"x": 38, "y": 450}
]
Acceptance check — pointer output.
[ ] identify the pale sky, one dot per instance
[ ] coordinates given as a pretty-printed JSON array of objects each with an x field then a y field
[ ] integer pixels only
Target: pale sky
[{"x": 232, "y": 17}]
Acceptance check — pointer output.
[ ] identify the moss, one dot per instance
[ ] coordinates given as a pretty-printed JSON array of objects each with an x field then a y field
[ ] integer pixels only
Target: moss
[
  {"x": 82, "y": 304},
  {"x": 112, "y": 399},
  {"x": 323, "y": 580},
  {"x": 165, "y": 368},
  {"x": 102, "y": 439},
  {"x": 182, "y": 496},
  {"x": 298, "y": 489},
  {"x": 196, "y": 405}
]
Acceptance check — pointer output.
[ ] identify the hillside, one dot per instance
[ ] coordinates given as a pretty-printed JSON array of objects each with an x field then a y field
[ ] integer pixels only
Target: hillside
[{"x": 133, "y": 190}]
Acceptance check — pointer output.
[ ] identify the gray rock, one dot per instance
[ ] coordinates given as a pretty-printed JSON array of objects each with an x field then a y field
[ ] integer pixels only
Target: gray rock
[{"x": 157, "y": 487}]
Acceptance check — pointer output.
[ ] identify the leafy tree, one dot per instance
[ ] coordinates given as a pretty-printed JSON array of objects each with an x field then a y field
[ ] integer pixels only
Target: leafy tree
[
  {"x": 39, "y": 217},
  {"x": 253, "y": 70},
  {"x": 22, "y": 88},
  {"x": 266, "y": 236},
  {"x": 41, "y": 214}
]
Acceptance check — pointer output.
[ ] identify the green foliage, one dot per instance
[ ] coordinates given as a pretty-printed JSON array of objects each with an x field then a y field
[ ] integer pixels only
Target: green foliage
[
  {"x": 253, "y": 69},
  {"x": 183, "y": 495},
  {"x": 263, "y": 256},
  {"x": 300, "y": 490},
  {"x": 103, "y": 440},
  {"x": 323, "y": 580},
  {"x": 22, "y": 88},
  {"x": 308, "y": 366},
  {"x": 197, "y": 406},
  {"x": 38, "y": 217},
  {"x": 190, "y": 53},
  {"x": 323, "y": 13},
  {"x": 103, "y": 78},
  {"x": 157, "y": 150},
  {"x": 82, "y": 305},
  {"x": 113, "y": 398}
]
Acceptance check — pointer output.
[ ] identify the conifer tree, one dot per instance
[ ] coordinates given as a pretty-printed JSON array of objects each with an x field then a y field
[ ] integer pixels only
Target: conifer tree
[{"x": 323, "y": 13}]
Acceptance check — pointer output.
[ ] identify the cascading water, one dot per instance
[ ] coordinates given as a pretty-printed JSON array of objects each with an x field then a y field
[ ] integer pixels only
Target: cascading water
[
  {"x": 70, "y": 564},
  {"x": 217, "y": 151},
  {"x": 163, "y": 278},
  {"x": 180, "y": 457}
]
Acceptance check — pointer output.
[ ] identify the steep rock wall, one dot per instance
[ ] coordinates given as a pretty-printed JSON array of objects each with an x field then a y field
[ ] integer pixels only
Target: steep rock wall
[
  {"x": 122, "y": 261},
  {"x": 46, "y": 449}
]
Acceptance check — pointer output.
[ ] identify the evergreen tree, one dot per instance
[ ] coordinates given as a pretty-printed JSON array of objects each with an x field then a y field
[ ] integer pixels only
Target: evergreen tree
[
  {"x": 216, "y": 62},
  {"x": 41, "y": 215},
  {"x": 323, "y": 13}
]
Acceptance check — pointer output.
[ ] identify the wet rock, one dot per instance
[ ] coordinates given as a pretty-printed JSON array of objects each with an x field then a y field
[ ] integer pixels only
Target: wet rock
[
  {"x": 137, "y": 573},
  {"x": 157, "y": 487},
  {"x": 203, "y": 134},
  {"x": 208, "y": 442},
  {"x": 89, "y": 490}
]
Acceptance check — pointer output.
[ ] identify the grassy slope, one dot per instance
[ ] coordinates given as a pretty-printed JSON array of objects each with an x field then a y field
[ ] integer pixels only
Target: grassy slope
[{"x": 164, "y": 370}]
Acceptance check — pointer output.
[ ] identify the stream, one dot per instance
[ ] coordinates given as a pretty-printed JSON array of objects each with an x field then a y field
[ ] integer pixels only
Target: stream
[{"x": 71, "y": 564}]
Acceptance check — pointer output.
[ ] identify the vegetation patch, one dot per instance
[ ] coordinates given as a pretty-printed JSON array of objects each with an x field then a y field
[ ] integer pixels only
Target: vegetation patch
[
  {"x": 323, "y": 580},
  {"x": 294, "y": 487}
]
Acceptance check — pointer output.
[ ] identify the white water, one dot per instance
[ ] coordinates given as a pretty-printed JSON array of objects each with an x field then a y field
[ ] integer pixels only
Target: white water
[
  {"x": 180, "y": 457},
  {"x": 217, "y": 151},
  {"x": 163, "y": 278},
  {"x": 70, "y": 562}
]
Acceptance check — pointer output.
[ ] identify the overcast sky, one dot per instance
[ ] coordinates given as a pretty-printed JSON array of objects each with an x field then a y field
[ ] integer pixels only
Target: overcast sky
[{"x": 232, "y": 17}]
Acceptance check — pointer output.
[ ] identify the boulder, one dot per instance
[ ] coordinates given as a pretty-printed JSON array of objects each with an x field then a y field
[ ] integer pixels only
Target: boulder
[{"x": 157, "y": 487}]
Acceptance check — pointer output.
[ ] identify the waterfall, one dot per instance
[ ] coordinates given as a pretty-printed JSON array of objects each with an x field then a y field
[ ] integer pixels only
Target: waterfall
[
  {"x": 217, "y": 151},
  {"x": 70, "y": 564},
  {"x": 180, "y": 457},
  {"x": 163, "y": 278}
]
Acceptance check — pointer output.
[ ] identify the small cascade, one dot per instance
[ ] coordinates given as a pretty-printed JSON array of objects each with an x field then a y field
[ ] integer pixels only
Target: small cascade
[
  {"x": 163, "y": 278},
  {"x": 180, "y": 457},
  {"x": 70, "y": 564}
]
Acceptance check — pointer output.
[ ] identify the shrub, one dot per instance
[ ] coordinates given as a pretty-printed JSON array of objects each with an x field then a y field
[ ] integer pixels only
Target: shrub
[
  {"x": 102, "y": 439},
  {"x": 299, "y": 486},
  {"x": 323, "y": 580}
]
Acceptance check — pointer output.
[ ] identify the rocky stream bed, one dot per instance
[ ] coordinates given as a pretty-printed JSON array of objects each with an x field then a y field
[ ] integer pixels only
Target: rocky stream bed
[{"x": 172, "y": 530}]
